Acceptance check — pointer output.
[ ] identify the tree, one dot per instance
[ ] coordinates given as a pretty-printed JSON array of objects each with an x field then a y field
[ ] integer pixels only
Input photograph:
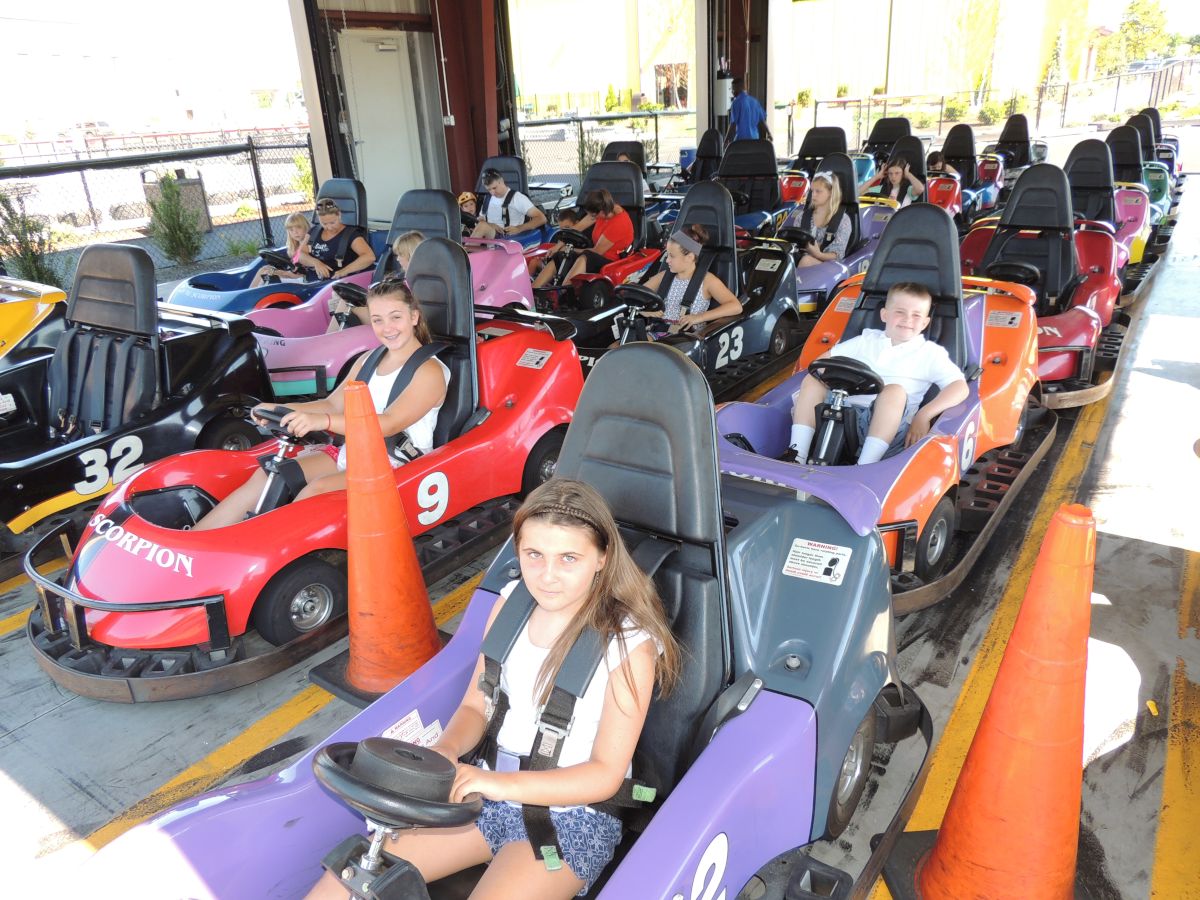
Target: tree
[
  {"x": 1144, "y": 30},
  {"x": 1053, "y": 73},
  {"x": 173, "y": 227},
  {"x": 26, "y": 244}
]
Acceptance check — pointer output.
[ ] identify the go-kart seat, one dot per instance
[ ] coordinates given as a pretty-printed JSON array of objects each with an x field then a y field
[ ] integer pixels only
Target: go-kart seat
[
  {"x": 708, "y": 156},
  {"x": 749, "y": 167},
  {"x": 440, "y": 277},
  {"x": 1089, "y": 171},
  {"x": 1037, "y": 227},
  {"x": 433, "y": 213},
  {"x": 842, "y": 168},
  {"x": 818, "y": 143},
  {"x": 511, "y": 168},
  {"x": 350, "y": 196},
  {"x": 919, "y": 245},
  {"x": 912, "y": 151},
  {"x": 656, "y": 465},
  {"x": 105, "y": 370},
  {"x": 635, "y": 150},
  {"x": 884, "y": 134},
  {"x": 709, "y": 204},
  {"x": 959, "y": 151},
  {"x": 1145, "y": 129},
  {"x": 1155, "y": 117},
  {"x": 1125, "y": 145},
  {"x": 1014, "y": 143},
  {"x": 624, "y": 181}
]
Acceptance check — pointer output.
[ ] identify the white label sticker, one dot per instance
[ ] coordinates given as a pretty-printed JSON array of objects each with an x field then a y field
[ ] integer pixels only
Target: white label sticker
[
  {"x": 767, "y": 265},
  {"x": 492, "y": 331},
  {"x": 846, "y": 304},
  {"x": 407, "y": 729},
  {"x": 534, "y": 359},
  {"x": 815, "y": 561},
  {"x": 7, "y": 404},
  {"x": 999, "y": 318},
  {"x": 430, "y": 735}
]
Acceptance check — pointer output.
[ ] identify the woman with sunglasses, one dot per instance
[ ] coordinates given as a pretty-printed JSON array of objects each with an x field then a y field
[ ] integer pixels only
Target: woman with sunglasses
[
  {"x": 822, "y": 217},
  {"x": 336, "y": 249}
]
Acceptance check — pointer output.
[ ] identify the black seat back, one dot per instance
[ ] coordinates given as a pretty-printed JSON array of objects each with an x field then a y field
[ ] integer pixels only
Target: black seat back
[
  {"x": 440, "y": 277},
  {"x": 749, "y": 167},
  {"x": 1037, "y": 227},
  {"x": 351, "y": 197},
  {"x": 1155, "y": 117},
  {"x": 511, "y": 168},
  {"x": 105, "y": 370},
  {"x": 1089, "y": 170},
  {"x": 709, "y": 204},
  {"x": 1125, "y": 145},
  {"x": 1013, "y": 143},
  {"x": 919, "y": 245},
  {"x": 959, "y": 151},
  {"x": 635, "y": 150},
  {"x": 1145, "y": 129},
  {"x": 842, "y": 168},
  {"x": 818, "y": 143},
  {"x": 653, "y": 456},
  {"x": 884, "y": 134},
  {"x": 708, "y": 155},
  {"x": 912, "y": 151},
  {"x": 433, "y": 213},
  {"x": 624, "y": 181}
]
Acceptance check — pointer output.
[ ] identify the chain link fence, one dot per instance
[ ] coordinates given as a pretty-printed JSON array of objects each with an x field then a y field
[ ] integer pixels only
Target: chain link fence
[{"x": 235, "y": 196}]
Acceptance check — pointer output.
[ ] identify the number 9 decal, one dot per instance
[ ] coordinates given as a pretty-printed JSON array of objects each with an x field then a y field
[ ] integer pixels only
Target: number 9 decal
[{"x": 433, "y": 496}]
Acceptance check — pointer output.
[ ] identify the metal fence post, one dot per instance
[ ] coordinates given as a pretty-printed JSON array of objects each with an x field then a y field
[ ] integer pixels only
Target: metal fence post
[
  {"x": 312, "y": 165},
  {"x": 941, "y": 114},
  {"x": 1117, "y": 94},
  {"x": 1062, "y": 119},
  {"x": 657, "y": 148},
  {"x": 262, "y": 194},
  {"x": 582, "y": 151}
]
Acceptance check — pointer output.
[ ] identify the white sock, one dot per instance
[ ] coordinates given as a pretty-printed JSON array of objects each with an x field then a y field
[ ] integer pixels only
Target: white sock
[
  {"x": 802, "y": 437},
  {"x": 872, "y": 451}
]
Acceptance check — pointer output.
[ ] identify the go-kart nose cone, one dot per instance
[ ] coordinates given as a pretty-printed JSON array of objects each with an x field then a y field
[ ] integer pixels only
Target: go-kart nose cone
[{"x": 401, "y": 767}]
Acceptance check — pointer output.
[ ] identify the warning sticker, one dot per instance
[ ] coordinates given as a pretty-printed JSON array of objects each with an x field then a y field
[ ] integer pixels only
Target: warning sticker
[
  {"x": 413, "y": 730},
  {"x": 846, "y": 304},
  {"x": 815, "y": 561},
  {"x": 999, "y": 318},
  {"x": 7, "y": 404},
  {"x": 768, "y": 265},
  {"x": 493, "y": 331},
  {"x": 534, "y": 359}
]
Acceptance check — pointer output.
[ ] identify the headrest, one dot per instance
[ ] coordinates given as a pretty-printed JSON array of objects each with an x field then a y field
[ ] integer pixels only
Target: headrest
[
  {"x": 708, "y": 203},
  {"x": 1145, "y": 130},
  {"x": 651, "y": 454},
  {"x": 823, "y": 140},
  {"x": 1040, "y": 199},
  {"x": 960, "y": 141},
  {"x": 911, "y": 150},
  {"x": 1090, "y": 165},
  {"x": 749, "y": 158},
  {"x": 1155, "y": 117},
  {"x": 433, "y": 213},
  {"x": 635, "y": 150},
  {"x": 920, "y": 244},
  {"x": 888, "y": 130},
  {"x": 1015, "y": 131},
  {"x": 439, "y": 274},
  {"x": 512, "y": 170},
  {"x": 711, "y": 145},
  {"x": 1125, "y": 144},
  {"x": 115, "y": 289},
  {"x": 621, "y": 179},
  {"x": 842, "y": 168},
  {"x": 351, "y": 197}
]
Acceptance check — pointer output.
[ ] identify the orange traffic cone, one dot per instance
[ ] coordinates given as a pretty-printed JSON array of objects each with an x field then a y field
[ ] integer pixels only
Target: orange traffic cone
[
  {"x": 392, "y": 632},
  {"x": 1012, "y": 824}
]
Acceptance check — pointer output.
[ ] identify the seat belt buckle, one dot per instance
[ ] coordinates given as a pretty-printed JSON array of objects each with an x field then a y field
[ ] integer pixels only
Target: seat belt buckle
[
  {"x": 491, "y": 695},
  {"x": 551, "y": 858},
  {"x": 550, "y": 735}
]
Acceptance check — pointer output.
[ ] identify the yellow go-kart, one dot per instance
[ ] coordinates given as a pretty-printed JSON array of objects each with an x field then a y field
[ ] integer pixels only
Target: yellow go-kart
[{"x": 31, "y": 317}]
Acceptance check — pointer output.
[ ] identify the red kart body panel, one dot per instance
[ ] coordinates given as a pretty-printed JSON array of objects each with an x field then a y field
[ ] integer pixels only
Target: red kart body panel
[
  {"x": 1061, "y": 338},
  {"x": 944, "y": 191},
  {"x": 990, "y": 170},
  {"x": 793, "y": 187},
  {"x": 529, "y": 382}
]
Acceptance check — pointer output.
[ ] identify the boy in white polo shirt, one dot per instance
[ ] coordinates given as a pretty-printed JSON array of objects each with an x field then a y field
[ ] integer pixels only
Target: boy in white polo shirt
[{"x": 908, "y": 365}]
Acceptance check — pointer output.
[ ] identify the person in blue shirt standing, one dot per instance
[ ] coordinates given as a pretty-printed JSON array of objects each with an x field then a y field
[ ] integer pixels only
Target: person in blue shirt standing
[{"x": 746, "y": 116}]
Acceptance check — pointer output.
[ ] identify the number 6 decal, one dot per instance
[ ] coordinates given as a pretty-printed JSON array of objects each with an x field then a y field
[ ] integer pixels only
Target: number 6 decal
[
  {"x": 433, "y": 496},
  {"x": 710, "y": 871}
]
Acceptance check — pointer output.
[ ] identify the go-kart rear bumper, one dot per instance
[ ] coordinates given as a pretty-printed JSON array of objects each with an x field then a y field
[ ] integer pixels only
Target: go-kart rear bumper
[{"x": 58, "y": 633}]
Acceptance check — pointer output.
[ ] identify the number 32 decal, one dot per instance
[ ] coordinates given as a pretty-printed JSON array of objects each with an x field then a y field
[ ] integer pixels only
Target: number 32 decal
[
  {"x": 710, "y": 871},
  {"x": 105, "y": 464}
]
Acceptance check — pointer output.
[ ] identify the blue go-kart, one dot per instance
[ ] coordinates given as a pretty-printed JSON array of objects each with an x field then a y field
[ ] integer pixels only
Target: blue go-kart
[{"x": 789, "y": 681}]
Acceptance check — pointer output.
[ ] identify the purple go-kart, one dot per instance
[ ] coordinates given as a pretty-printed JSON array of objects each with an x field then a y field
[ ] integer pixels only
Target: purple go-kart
[
  {"x": 306, "y": 357},
  {"x": 789, "y": 680}
]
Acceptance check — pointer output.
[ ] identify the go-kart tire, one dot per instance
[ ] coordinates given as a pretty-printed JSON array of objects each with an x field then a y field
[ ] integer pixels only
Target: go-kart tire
[
  {"x": 539, "y": 467},
  {"x": 933, "y": 546},
  {"x": 225, "y": 433},
  {"x": 305, "y": 596},
  {"x": 852, "y": 776},
  {"x": 781, "y": 337}
]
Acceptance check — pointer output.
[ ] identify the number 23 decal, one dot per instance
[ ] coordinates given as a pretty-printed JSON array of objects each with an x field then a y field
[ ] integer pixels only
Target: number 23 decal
[
  {"x": 729, "y": 346},
  {"x": 105, "y": 464},
  {"x": 710, "y": 871}
]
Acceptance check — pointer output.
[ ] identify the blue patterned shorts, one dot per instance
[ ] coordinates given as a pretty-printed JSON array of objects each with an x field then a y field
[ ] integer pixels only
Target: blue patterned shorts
[{"x": 587, "y": 837}]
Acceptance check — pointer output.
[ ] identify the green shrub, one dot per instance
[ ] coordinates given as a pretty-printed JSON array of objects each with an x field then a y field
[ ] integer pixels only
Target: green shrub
[
  {"x": 804, "y": 98},
  {"x": 302, "y": 180},
  {"x": 245, "y": 210},
  {"x": 590, "y": 150},
  {"x": 955, "y": 109},
  {"x": 610, "y": 100},
  {"x": 843, "y": 90},
  {"x": 173, "y": 228},
  {"x": 25, "y": 244},
  {"x": 992, "y": 112},
  {"x": 922, "y": 120},
  {"x": 241, "y": 246}
]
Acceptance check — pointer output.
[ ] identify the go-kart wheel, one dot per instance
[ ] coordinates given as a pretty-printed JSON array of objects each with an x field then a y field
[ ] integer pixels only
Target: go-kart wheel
[
  {"x": 224, "y": 433},
  {"x": 573, "y": 238},
  {"x": 394, "y": 783},
  {"x": 637, "y": 296},
  {"x": 933, "y": 546},
  {"x": 797, "y": 236},
  {"x": 852, "y": 776},
  {"x": 1013, "y": 270},
  {"x": 840, "y": 373},
  {"x": 298, "y": 600},
  {"x": 543, "y": 459},
  {"x": 278, "y": 260},
  {"x": 781, "y": 336},
  {"x": 596, "y": 294}
]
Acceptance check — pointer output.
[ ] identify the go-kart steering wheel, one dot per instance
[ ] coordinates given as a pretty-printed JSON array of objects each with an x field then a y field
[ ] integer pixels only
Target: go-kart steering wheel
[
  {"x": 797, "y": 236},
  {"x": 573, "y": 238},
  {"x": 467, "y": 220},
  {"x": 740, "y": 198},
  {"x": 278, "y": 260},
  {"x": 394, "y": 783},
  {"x": 1013, "y": 270},
  {"x": 274, "y": 416},
  {"x": 638, "y": 296},
  {"x": 840, "y": 373},
  {"x": 355, "y": 295}
]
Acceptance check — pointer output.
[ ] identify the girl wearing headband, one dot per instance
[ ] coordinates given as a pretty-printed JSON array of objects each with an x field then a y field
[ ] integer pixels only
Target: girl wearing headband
[
  {"x": 704, "y": 294},
  {"x": 821, "y": 216}
]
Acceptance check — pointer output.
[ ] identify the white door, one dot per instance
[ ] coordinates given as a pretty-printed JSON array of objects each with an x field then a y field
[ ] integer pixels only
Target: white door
[{"x": 383, "y": 116}]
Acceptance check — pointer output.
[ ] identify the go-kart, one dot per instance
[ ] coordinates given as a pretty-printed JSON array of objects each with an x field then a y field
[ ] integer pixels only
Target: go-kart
[
  {"x": 1017, "y": 150},
  {"x": 306, "y": 357},
  {"x": 1166, "y": 147},
  {"x": 817, "y": 144},
  {"x": 1156, "y": 175},
  {"x": 935, "y": 503},
  {"x": 789, "y": 680},
  {"x": 877, "y": 148},
  {"x": 230, "y": 291},
  {"x": 31, "y": 318},
  {"x": 127, "y": 382},
  {"x": 149, "y": 610},
  {"x": 1072, "y": 269}
]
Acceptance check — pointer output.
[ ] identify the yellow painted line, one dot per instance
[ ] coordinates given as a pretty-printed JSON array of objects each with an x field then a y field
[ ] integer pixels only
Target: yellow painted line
[
  {"x": 35, "y": 514},
  {"x": 1177, "y": 839},
  {"x": 952, "y": 746},
  {"x": 216, "y": 767},
  {"x": 19, "y": 580}
]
